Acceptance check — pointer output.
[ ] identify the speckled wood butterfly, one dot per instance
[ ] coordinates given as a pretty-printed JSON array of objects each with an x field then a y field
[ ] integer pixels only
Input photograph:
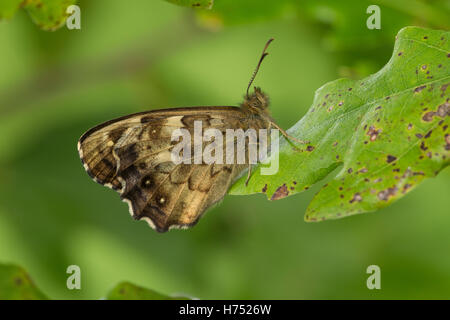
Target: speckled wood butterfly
[{"x": 132, "y": 155}]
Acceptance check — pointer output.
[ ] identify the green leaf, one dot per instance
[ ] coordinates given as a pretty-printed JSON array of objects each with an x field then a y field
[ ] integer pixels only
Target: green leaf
[
  {"x": 129, "y": 291},
  {"x": 47, "y": 14},
  {"x": 387, "y": 133},
  {"x": 203, "y": 4},
  {"x": 16, "y": 284}
]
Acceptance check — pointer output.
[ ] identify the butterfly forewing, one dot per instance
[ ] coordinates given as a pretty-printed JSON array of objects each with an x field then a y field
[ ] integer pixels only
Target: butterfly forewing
[{"x": 132, "y": 155}]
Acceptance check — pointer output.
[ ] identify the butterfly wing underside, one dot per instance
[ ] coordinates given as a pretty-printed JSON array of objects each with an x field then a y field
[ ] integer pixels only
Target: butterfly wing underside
[{"x": 132, "y": 155}]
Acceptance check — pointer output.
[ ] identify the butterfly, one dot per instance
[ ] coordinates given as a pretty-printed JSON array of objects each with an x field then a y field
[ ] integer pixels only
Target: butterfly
[{"x": 132, "y": 155}]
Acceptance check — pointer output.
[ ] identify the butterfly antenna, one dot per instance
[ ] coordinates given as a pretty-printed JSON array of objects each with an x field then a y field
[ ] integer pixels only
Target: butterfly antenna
[{"x": 264, "y": 54}]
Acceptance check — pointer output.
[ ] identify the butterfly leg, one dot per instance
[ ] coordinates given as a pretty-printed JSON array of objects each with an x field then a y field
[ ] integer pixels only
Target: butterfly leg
[
  {"x": 249, "y": 174},
  {"x": 286, "y": 135}
]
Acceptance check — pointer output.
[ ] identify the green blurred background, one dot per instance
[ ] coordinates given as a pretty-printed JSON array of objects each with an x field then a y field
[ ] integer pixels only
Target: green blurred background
[{"x": 153, "y": 54}]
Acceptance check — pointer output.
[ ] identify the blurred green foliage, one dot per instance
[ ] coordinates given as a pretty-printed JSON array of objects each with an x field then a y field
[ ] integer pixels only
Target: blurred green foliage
[
  {"x": 8, "y": 8},
  {"x": 129, "y": 291},
  {"x": 16, "y": 284},
  {"x": 199, "y": 4},
  {"x": 340, "y": 24},
  {"x": 54, "y": 86}
]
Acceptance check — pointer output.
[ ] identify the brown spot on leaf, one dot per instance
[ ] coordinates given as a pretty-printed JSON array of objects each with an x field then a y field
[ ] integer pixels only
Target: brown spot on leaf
[
  {"x": 420, "y": 88},
  {"x": 264, "y": 189},
  {"x": 356, "y": 197},
  {"x": 406, "y": 187},
  {"x": 373, "y": 133},
  {"x": 423, "y": 147},
  {"x": 280, "y": 193},
  {"x": 310, "y": 148},
  {"x": 386, "y": 194},
  {"x": 443, "y": 110},
  {"x": 18, "y": 281},
  {"x": 390, "y": 158},
  {"x": 428, "y": 116}
]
